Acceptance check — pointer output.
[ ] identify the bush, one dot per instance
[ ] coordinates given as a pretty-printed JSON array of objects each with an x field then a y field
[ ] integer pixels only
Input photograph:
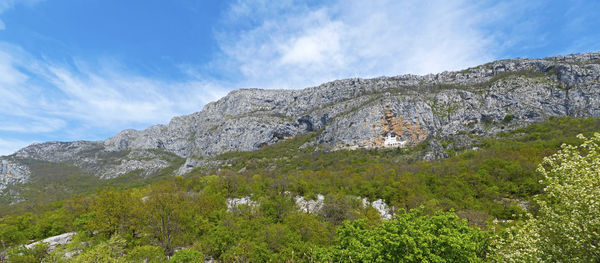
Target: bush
[
  {"x": 188, "y": 255},
  {"x": 567, "y": 226},
  {"x": 148, "y": 254},
  {"x": 23, "y": 255},
  {"x": 411, "y": 237},
  {"x": 109, "y": 251},
  {"x": 508, "y": 118}
]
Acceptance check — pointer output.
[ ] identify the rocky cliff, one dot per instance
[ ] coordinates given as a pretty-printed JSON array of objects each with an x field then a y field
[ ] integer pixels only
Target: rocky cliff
[{"x": 401, "y": 111}]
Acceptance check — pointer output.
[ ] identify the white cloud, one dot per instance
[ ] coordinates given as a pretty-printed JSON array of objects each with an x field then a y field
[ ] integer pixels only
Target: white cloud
[
  {"x": 314, "y": 47},
  {"x": 39, "y": 97},
  {"x": 294, "y": 46},
  {"x": 116, "y": 98},
  {"x": 20, "y": 100}
]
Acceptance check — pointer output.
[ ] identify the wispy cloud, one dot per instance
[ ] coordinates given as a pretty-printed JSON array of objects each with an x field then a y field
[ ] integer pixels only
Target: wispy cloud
[
  {"x": 22, "y": 104},
  {"x": 109, "y": 97},
  {"x": 81, "y": 100},
  {"x": 354, "y": 38}
]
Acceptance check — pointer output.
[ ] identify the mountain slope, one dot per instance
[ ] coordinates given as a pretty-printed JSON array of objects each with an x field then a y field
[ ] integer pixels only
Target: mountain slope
[{"x": 344, "y": 114}]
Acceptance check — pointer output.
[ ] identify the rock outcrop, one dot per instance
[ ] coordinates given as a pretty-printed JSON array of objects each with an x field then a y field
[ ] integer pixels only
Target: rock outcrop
[
  {"x": 94, "y": 158},
  {"x": 313, "y": 206},
  {"x": 54, "y": 241},
  {"x": 353, "y": 113},
  {"x": 12, "y": 174}
]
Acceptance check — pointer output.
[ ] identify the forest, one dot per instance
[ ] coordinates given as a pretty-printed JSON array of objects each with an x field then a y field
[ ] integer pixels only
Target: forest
[{"x": 528, "y": 195}]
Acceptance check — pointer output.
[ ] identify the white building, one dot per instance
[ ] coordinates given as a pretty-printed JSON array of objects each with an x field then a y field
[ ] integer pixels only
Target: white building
[{"x": 393, "y": 141}]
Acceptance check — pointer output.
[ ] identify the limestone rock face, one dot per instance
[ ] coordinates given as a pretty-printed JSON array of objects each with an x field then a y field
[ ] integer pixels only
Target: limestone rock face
[
  {"x": 95, "y": 158},
  {"x": 12, "y": 173},
  {"x": 353, "y": 113}
]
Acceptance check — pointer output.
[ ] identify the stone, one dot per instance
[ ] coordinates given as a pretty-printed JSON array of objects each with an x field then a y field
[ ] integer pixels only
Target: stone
[{"x": 54, "y": 241}]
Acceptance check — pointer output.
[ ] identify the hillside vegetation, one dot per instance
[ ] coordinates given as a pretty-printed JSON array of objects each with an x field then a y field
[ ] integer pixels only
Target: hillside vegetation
[{"x": 443, "y": 208}]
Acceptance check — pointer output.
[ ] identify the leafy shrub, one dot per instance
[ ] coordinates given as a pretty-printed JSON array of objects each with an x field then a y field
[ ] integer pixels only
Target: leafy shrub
[
  {"x": 147, "y": 254},
  {"x": 411, "y": 237},
  {"x": 108, "y": 251},
  {"x": 24, "y": 255},
  {"x": 188, "y": 255},
  {"x": 567, "y": 225}
]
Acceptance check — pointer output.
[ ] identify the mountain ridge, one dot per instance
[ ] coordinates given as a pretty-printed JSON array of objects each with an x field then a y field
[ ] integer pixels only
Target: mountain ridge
[{"x": 456, "y": 106}]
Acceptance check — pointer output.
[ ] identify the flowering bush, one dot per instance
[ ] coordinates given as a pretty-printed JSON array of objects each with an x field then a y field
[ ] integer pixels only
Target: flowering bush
[{"x": 567, "y": 225}]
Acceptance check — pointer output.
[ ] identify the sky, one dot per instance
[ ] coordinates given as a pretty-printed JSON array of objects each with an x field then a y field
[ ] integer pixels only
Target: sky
[{"x": 87, "y": 69}]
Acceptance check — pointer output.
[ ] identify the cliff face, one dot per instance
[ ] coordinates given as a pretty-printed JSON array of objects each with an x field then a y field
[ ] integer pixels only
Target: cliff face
[
  {"x": 352, "y": 113},
  {"x": 360, "y": 113}
]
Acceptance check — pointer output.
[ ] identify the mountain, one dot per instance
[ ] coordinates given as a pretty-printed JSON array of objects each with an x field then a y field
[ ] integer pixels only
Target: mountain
[{"x": 455, "y": 108}]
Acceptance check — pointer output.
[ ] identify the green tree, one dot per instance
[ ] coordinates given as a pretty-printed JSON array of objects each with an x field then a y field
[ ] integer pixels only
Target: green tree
[
  {"x": 113, "y": 212},
  {"x": 276, "y": 206},
  {"x": 17, "y": 229},
  {"x": 337, "y": 208},
  {"x": 11, "y": 235},
  {"x": 411, "y": 237},
  {"x": 567, "y": 225},
  {"x": 53, "y": 223},
  {"x": 169, "y": 213}
]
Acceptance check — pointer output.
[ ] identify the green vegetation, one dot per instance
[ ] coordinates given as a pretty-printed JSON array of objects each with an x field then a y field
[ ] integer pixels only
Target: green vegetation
[
  {"x": 443, "y": 209},
  {"x": 53, "y": 182},
  {"x": 508, "y": 118},
  {"x": 187, "y": 255},
  {"x": 565, "y": 227},
  {"x": 412, "y": 237}
]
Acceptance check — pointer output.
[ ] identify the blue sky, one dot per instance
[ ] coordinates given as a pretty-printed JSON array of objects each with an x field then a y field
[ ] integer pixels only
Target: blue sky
[{"x": 86, "y": 69}]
